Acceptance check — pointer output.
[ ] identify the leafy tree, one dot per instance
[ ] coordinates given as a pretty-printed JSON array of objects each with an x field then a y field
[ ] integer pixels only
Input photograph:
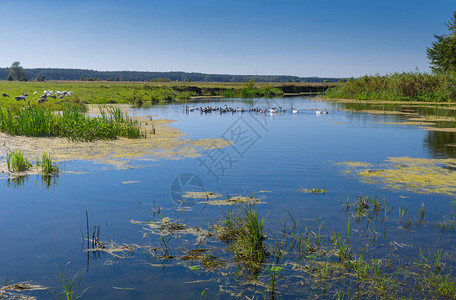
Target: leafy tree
[
  {"x": 17, "y": 72},
  {"x": 40, "y": 77},
  {"x": 442, "y": 54}
]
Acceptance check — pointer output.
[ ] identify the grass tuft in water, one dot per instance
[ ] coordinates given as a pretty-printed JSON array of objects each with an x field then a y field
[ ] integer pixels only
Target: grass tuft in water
[
  {"x": 48, "y": 166},
  {"x": 71, "y": 287},
  {"x": 244, "y": 228},
  {"x": 17, "y": 162}
]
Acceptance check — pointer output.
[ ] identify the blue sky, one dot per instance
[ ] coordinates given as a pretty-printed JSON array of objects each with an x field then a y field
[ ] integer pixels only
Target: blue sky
[{"x": 325, "y": 38}]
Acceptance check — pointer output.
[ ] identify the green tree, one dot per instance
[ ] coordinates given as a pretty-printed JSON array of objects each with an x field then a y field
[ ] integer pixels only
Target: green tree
[
  {"x": 442, "y": 54},
  {"x": 17, "y": 72},
  {"x": 40, "y": 77}
]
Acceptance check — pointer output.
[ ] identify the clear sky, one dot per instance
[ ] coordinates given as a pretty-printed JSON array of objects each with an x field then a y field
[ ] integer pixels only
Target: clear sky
[{"x": 325, "y": 38}]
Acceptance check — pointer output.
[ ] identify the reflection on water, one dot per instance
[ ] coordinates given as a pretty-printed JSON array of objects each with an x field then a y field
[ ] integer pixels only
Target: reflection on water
[
  {"x": 46, "y": 181},
  {"x": 441, "y": 144},
  {"x": 16, "y": 182}
]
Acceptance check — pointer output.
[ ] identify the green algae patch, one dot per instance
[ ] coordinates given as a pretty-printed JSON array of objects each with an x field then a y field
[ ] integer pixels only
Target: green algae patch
[
  {"x": 167, "y": 226},
  {"x": 211, "y": 198},
  {"x": 166, "y": 143},
  {"x": 354, "y": 164},
  {"x": 418, "y": 175}
]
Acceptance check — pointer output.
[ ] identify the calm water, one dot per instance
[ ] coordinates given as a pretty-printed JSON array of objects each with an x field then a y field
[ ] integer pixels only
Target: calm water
[{"x": 272, "y": 157}]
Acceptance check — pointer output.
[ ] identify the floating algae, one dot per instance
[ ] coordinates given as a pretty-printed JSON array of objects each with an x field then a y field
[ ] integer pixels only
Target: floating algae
[
  {"x": 201, "y": 195},
  {"x": 413, "y": 174},
  {"x": 167, "y": 226},
  {"x": 233, "y": 201},
  {"x": 211, "y": 198},
  {"x": 166, "y": 143},
  {"x": 354, "y": 164},
  {"x": 12, "y": 291},
  {"x": 117, "y": 251}
]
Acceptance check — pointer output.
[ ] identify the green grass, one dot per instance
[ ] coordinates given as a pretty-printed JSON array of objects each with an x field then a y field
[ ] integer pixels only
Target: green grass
[
  {"x": 71, "y": 287},
  {"x": 141, "y": 92},
  {"x": 48, "y": 166},
  {"x": 244, "y": 228},
  {"x": 17, "y": 162},
  {"x": 72, "y": 124},
  {"x": 399, "y": 86}
]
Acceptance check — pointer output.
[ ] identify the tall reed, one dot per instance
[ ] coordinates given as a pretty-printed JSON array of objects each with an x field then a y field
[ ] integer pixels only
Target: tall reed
[{"x": 414, "y": 86}]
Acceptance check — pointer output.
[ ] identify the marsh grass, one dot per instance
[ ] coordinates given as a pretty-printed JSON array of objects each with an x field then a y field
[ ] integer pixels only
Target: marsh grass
[
  {"x": 399, "y": 86},
  {"x": 72, "y": 124},
  {"x": 48, "y": 165},
  {"x": 71, "y": 287},
  {"x": 312, "y": 261},
  {"x": 17, "y": 162},
  {"x": 244, "y": 229}
]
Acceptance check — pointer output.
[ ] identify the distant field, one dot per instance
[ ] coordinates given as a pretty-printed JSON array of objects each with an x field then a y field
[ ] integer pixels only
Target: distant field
[{"x": 105, "y": 92}]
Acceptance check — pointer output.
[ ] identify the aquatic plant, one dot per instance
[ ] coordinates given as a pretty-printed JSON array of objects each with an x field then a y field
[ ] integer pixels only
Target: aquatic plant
[
  {"x": 17, "y": 162},
  {"x": 70, "y": 287},
  {"x": 72, "y": 124},
  {"x": 245, "y": 228},
  {"x": 48, "y": 166},
  {"x": 313, "y": 190}
]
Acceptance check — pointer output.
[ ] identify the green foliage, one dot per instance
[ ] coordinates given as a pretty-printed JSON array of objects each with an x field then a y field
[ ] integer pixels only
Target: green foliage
[
  {"x": 17, "y": 162},
  {"x": 40, "y": 77},
  {"x": 71, "y": 287},
  {"x": 440, "y": 87},
  {"x": 250, "y": 91},
  {"x": 245, "y": 228},
  {"x": 442, "y": 54},
  {"x": 17, "y": 72},
  {"x": 48, "y": 166},
  {"x": 42, "y": 122}
]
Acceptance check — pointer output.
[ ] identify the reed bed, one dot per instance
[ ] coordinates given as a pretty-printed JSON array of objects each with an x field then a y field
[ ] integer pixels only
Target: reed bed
[
  {"x": 440, "y": 87},
  {"x": 43, "y": 122}
]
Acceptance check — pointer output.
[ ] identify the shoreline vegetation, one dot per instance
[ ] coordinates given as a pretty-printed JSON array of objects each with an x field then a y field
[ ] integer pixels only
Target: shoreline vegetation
[
  {"x": 139, "y": 93},
  {"x": 413, "y": 87},
  {"x": 35, "y": 121}
]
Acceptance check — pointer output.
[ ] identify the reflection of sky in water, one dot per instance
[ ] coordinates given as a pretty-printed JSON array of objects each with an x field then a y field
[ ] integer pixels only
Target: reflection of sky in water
[{"x": 41, "y": 228}]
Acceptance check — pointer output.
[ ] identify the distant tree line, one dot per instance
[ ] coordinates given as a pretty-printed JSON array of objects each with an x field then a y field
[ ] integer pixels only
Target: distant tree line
[{"x": 91, "y": 75}]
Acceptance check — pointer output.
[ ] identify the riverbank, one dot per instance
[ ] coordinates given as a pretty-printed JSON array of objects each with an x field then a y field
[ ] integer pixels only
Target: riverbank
[
  {"x": 106, "y": 92},
  {"x": 416, "y": 86}
]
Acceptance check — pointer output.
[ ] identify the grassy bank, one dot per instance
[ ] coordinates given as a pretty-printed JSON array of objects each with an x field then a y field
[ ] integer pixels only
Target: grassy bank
[
  {"x": 399, "y": 87},
  {"x": 141, "y": 92}
]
